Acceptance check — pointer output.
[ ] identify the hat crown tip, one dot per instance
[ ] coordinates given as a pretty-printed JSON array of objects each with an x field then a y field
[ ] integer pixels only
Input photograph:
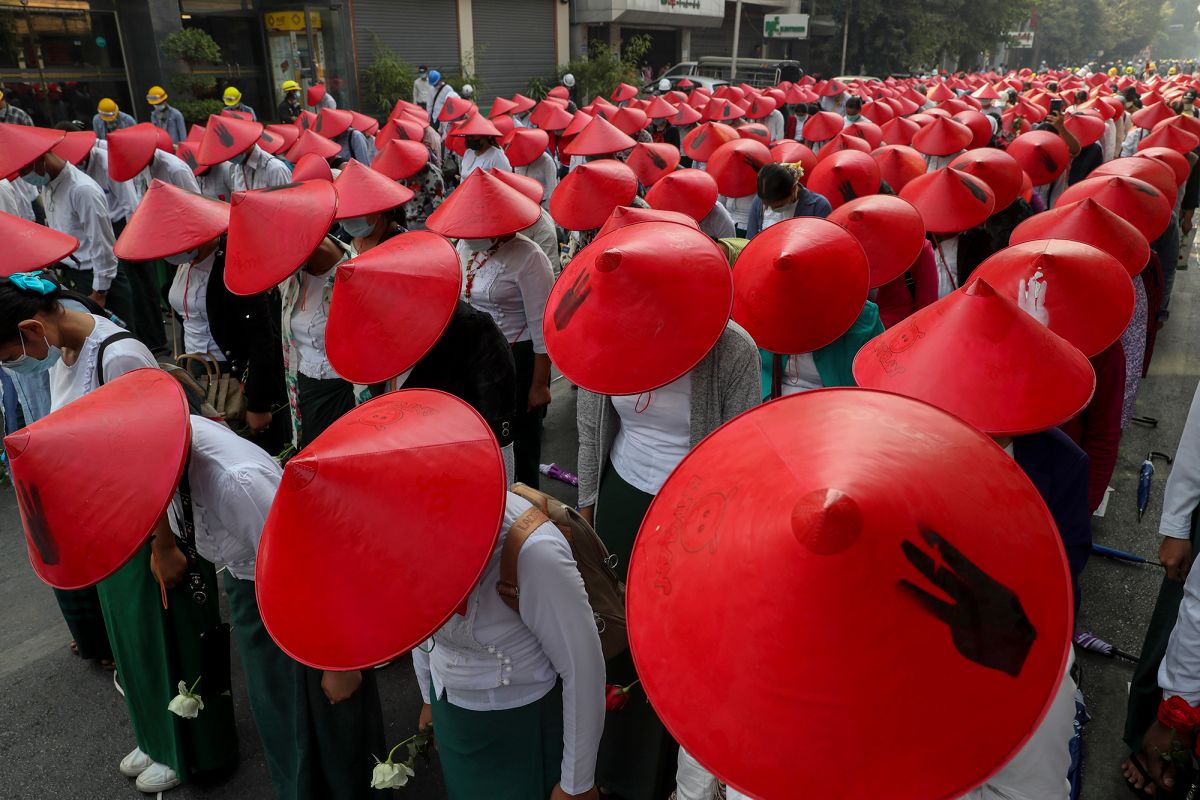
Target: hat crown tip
[
  {"x": 979, "y": 288},
  {"x": 827, "y": 521},
  {"x": 609, "y": 260},
  {"x": 16, "y": 443}
]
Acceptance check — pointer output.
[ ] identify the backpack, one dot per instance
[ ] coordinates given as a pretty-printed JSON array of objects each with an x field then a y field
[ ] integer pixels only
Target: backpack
[
  {"x": 605, "y": 591},
  {"x": 191, "y": 389}
]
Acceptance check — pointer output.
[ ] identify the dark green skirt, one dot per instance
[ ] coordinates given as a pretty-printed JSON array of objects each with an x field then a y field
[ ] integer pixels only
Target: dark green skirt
[
  {"x": 155, "y": 650},
  {"x": 500, "y": 755},
  {"x": 314, "y": 750},
  {"x": 637, "y": 756},
  {"x": 85, "y": 619}
]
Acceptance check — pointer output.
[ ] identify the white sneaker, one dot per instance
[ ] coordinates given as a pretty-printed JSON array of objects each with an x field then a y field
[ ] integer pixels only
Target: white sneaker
[
  {"x": 135, "y": 763},
  {"x": 157, "y": 778}
]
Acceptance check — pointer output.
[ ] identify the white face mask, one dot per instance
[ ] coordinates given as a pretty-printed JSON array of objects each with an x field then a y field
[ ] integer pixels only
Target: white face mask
[
  {"x": 358, "y": 227},
  {"x": 479, "y": 245},
  {"x": 182, "y": 258}
]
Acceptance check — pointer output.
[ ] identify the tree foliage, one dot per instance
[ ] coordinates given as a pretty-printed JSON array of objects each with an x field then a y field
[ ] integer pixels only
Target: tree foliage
[
  {"x": 193, "y": 88},
  {"x": 603, "y": 68},
  {"x": 388, "y": 78}
]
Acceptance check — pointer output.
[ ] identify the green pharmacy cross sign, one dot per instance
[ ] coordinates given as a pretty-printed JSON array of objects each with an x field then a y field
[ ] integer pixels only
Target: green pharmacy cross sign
[{"x": 785, "y": 26}]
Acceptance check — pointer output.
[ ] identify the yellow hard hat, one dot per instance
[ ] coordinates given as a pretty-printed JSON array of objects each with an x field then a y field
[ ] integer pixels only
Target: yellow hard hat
[
  {"x": 1112, "y": 70},
  {"x": 1, "y": 94},
  {"x": 1129, "y": 70},
  {"x": 156, "y": 96},
  {"x": 291, "y": 86},
  {"x": 1172, "y": 71},
  {"x": 108, "y": 109},
  {"x": 232, "y": 96}
]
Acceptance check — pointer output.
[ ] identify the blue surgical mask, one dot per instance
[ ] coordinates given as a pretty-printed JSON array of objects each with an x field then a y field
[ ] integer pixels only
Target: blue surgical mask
[
  {"x": 182, "y": 258},
  {"x": 358, "y": 227},
  {"x": 28, "y": 365},
  {"x": 36, "y": 179}
]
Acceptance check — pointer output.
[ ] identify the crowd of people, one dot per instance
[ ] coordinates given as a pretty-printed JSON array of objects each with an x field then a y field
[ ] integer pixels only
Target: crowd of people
[{"x": 749, "y": 289}]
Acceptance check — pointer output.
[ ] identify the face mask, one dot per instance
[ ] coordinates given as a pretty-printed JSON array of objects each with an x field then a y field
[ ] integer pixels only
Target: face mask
[
  {"x": 293, "y": 97},
  {"x": 36, "y": 179},
  {"x": 852, "y": 118},
  {"x": 110, "y": 126},
  {"x": 182, "y": 258},
  {"x": 239, "y": 159},
  {"x": 475, "y": 144},
  {"x": 28, "y": 365},
  {"x": 358, "y": 227},
  {"x": 478, "y": 245}
]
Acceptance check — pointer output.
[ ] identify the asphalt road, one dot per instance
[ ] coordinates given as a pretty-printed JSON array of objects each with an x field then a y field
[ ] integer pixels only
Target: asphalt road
[{"x": 63, "y": 727}]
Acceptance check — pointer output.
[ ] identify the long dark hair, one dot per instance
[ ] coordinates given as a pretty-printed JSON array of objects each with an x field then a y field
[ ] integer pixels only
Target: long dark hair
[
  {"x": 776, "y": 182},
  {"x": 18, "y": 304}
]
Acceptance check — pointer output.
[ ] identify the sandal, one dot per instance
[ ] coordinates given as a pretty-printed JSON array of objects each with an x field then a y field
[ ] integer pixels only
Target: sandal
[{"x": 1182, "y": 783}]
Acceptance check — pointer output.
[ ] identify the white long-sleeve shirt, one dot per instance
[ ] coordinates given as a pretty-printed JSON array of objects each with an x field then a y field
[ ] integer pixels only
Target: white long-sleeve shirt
[
  {"x": 491, "y": 158},
  {"x": 422, "y": 91},
  {"x": 1183, "y": 484},
  {"x": 439, "y": 96},
  {"x": 172, "y": 169},
  {"x": 262, "y": 170},
  {"x": 493, "y": 660},
  {"x": 220, "y": 181},
  {"x": 544, "y": 171},
  {"x": 511, "y": 285},
  {"x": 1130, "y": 145},
  {"x": 544, "y": 234},
  {"x": 122, "y": 196},
  {"x": 75, "y": 204},
  {"x": 775, "y": 125},
  {"x": 13, "y": 202}
]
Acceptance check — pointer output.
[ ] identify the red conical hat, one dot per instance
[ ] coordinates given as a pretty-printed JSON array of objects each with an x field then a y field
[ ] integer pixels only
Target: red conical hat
[
  {"x": 722, "y": 110},
  {"x": 404, "y": 129},
  {"x": 760, "y": 107},
  {"x": 942, "y": 137},
  {"x": 623, "y": 92},
  {"x": 272, "y": 233},
  {"x": 940, "y": 93},
  {"x": 980, "y": 126},
  {"x": 702, "y": 141},
  {"x": 800, "y": 284},
  {"x": 226, "y": 137},
  {"x": 315, "y": 94},
  {"x": 878, "y": 112},
  {"x": 686, "y": 115},
  {"x": 590, "y": 192},
  {"x": 526, "y": 145},
  {"x": 170, "y": 220},
  {"x": 401, "y": 159},
  {"x": 21, "y": 144},
  {"x": 137, "y": 425},
  {"x": 476, "y": 125},
  {"x": 660, "y": 109},
  {"x": 950, "y": 201},
  {"x": 688, "y": 191},
  {"x": 844, "y": 176},
  {"x": 368, "y": 126},
  {"x": 599, "y": 138},
  {"x": 130, "y": 150},
  {"x": 29, "y": 246},
  {"x": 735, "y": 165},
  {"x": 521, "y": 103},
  {"x": 617, "y": 321},
  {"x": 455, "y": 108},
  {"x": 1156, "y": 173},
  {"x": 364, "y": 485},
  {"x": 1090, "y": 223},
  {"x": 187, "y": 153},
  {"x": 1151, "y": 115},
  {"x": 311, "y": 167},
  {"x": 481, "y": 207},
  {"x": 579, "y": 121},
  {"x": 398, "y": 297},
  {"x": 312, "y": 142},
  {"x": 1089, "y": 296},
  {"x": 899, "y": 165},
  {"x": 1001, "y": 389},
  {"x": 305, "y": 120},
  {"x": 550, "y": 117},
  {"x": 522, "y": 183},
  {"x": 362, "y": 191},
  {"x": 1173, "y": 159},
  {"x": 651, "y": 161},
  {"x": 789, "y": 152},
  {"x": 624, "y": 216},
  {"x": 1172, "y": 138},
  {"x": 1086, "y": 126},
  {"x": 899, "y": 131},
  {"x": 997, "y": 169},
  {"x": 195, "y": 134},
  {"x": 821, "y": 126},
  {"x": 890, "y": 231},
  {"x": 284, "y": 137},
  {"x": 756, "y": 131},
  {"x": 779, "y": 565},
  {"x": 843, "y": 141},
  {"x": 500, "y": 107},
  {"x": 1042, "y": 154},
  {"x": 630, "y": 120},
  {"x": 75, "y": 146},
  {"x": 866, "y": 130},
  {"x": 1134, "y": 200}
]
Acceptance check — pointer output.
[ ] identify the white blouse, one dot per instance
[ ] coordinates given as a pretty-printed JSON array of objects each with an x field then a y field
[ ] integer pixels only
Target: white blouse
[
  {"x": 309, "y": 318},
  {"x": 738, "y": 208},
  {"x": 492, "y": 158},
  {"x": 771, "y": 216},
  {"x": 654, "y": 434},
  {"x": 511, "y": 285},
  {"x": 544, "y": 171},
  {"x": 800, "y": 374},
  {"x": 945, "y": 254},
  {"x": 69, "y": 383},
  {"x": 189, "y": 299}
]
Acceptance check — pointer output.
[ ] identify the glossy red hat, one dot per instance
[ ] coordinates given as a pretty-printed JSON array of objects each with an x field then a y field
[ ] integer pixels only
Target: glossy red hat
[
  {"x": 723, "y": 110},
  {"x": 843, "y": 141},
  {"x": 526, "y": 145},
  {"x": 483, "y": 206},
  {"x": 890, "y": 231},
  {"x": 315, "y": 94},
  {"x": 550, "y": 117},
  {"x": 391, "y": 305},
  {"x": 130, "y": 150},
  {"x": 899, "y": 165},
  {"x": 950, "y": 201},
  {"x": 651, "y": 161},
  {"x": 312, "y": 142},
  {"x": 735, "y": 165},
  {"x": 380, "y": 480},
  {"x": 368, "y": 126},
  {"x": 285, "y": 135},
  {"x": 630, "y": 120},
  {"x": 638, "y": 308},
  {"x": 822, "y": 125},
  {"x": 1086, "y": 127},
  {"x": 996, "y": 168},
  {"x": 780, "y": 566},
  {"x": 800, "y": 284},
  {"x": 137, "y": 425},
  {"x": 170, "y": 220},
  {"x": 521, "y": 103},
  {"x": 659, "y": 108},
  {"x": 1151, "y": 115},
  {"x": 75, "y": 146},
  {"x": 29, "y": 246},
  {"x": 590, "y": 192},
  {"x": 1173, "y": 159},
  {"x": 685, "y": 115},
  {"x": 942, "y": 137},
  {"x": 1134, "y": 200},
  {"x": 899, "y": 131},
  {"x": 789, "y": 152},
  {"x": 702, "y": 141},
  {"x": 599, "y": 137},
  {"x": 455, "y": 108},
  {"x": 501, "y": 106},
  {"x": 362, "y": 191},
  {"x": 401, "y": 159},
  {"x": 272, "y": 232},
  {"x": 1042, "y": 154},
  {"x": 689, "y": 191},
  {"x": 187, "y": 153},
  {"x": 623, "y": 92},
  {"x": 1172, "y": 138},
  {"x": 1001, "y": 389},
  {"x": 866, "y": 130},
  {"x": 844, "y": 176},
  {"x": 624, "y": 216},
  {"x": 311, "y": 167},
  {"x": 979, "y": 124},
  {"x": 476, "y": 125},
  {"x": 226, "y": 137},
  {"x": 1154, "y": 172},
  {"x": 1088, "y": 222},
  {"x": 21, "y": 144},
  {"x": 1089, "y": 296}
]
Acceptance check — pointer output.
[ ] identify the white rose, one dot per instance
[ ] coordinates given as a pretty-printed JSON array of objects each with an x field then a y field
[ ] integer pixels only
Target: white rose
[
  {"x": 186, "y": 704},
  {"x": 387, "y": 775}
]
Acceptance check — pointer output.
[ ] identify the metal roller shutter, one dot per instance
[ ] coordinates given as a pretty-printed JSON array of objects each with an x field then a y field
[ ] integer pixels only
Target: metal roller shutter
[
  {"x": 419, "y": 31},
  {"x": 514, "y": 41}
]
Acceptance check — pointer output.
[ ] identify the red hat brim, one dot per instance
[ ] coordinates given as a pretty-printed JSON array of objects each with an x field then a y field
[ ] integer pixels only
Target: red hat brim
[
  {"x": 1172, "y": 158},
  {"x": 890, "y": 231},
  {"x": 630, "y": 120},
  {"x": 899, "y": 131},
  {"x": 844, "y": 176},
  {"x": 1154, "y": 172},
  {"x": 779, "y": 565},
  {"x": 702, "y": 141},
  {"x": 1000, "y": 389},
  {"x": 311, "y": 167},
  {"x": 526, "y": 145},
  {"x": 624, "y": 216},
  {"x": 550, "y": 117},
  {"x": 789, "y": 152},
  {"x": 276, "y": 139},
  {"x": 272, "y": 233},
  {"x": 398, "y": 297},
  {"x": 21, "y": 144},
  {"x": 1086, "y": 128},
  {"x": 29, "y": 246},
  {"x": 950, "y": 201},
  {"x": 312, "y": 142},
  {"x": 170, "y": 220},
  {"x": 997, "y": 169},
  {"x": 530, "y": 187},
  {"x": 980, "y": 127},
  {"x": 735, "y": 165},
  {"x": 380, "y": 480},
  {"x": 454, "y": 109},
  {"x": 1088, "y": 222},
  {"x": 1042, "y": 154},
  {"x": 400, "y": 159},
  {"x": 75, "y": 146},
  {"x": 691, "y": 192},
  {"x": 315, "y": 94},
  {"x": 1132, "y": 199},
  {"x": 226, "y": 137},
  {"x": 600, "y": 137},
  {"x": 822, "y": 126},
  {"x": 899, "y": 165},
  {"x": 484, "y": 206},
  {"x": 617, "y": 323},
  {"x": 1172, "y": 138},
  {"x": 651, "y": 161},
  {"x": 130, "y": 150},
  {"x": 362, "y": 191},
  {"x": 137, "y": 426},
  {"x": 942, "y": 137},
  {"x": 584, "y": 199}
]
